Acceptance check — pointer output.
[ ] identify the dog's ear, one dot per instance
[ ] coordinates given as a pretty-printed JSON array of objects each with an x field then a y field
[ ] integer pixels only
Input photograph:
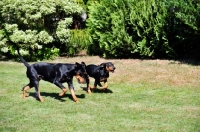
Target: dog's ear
[
  {"x": 83, "y": 63},
  {"x": 77, "y": 64},
  {"x": 102, "y": 65}
]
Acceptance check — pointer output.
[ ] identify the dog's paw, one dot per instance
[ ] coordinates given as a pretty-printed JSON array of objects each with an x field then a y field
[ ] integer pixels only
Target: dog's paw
[
  {"x": 93, "y": 87},
  {"x": 102, "y": 88},
  {"x": 41, "y": 99},
  {"x": 89, "y": 92},
  {"x": 77, "y": 101},
  {"x": 63, "y": 92}
]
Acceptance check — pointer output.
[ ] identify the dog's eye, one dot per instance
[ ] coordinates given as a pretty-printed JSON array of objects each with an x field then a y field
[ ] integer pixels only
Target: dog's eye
[{"x": 78, "y": 73}]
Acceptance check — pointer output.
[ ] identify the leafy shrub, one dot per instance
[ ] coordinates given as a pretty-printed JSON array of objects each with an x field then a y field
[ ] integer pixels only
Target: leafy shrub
[
  {"x": 126, "y": 28},
  {"x": 79, "y": 40},
  {"x": 146, "y": 29},
  {"x": 106, "y": 27},
  {"x": 184, "y": 26},
  {"x": 36, "y": 26}
]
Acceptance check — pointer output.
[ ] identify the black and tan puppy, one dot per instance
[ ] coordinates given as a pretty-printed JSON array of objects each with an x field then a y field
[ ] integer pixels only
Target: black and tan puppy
[
  {"x": 100, "y": 73},
  {"x": 56, "y": 74}
]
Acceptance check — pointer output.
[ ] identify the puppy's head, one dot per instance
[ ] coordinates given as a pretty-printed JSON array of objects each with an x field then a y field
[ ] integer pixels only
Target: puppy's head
[
  {"x": 108, "y": 66},
  {"x": 81, "y": 74}
]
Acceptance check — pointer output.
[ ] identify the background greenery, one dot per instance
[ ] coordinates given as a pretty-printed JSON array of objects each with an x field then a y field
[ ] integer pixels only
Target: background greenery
[
  {"x": 147, "y": 29},
  {"x": 143, "y": 95},
  {"x": 115, "y": 28},
  {"x": 40, "y": 28}
]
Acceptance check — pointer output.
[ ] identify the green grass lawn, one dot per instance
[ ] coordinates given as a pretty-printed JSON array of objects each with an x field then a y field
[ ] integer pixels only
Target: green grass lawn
[{"x": 143, "y": 95}]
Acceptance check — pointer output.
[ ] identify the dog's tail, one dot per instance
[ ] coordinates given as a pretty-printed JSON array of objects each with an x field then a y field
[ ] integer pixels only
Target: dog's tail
[{"x": 22, "y": 59}]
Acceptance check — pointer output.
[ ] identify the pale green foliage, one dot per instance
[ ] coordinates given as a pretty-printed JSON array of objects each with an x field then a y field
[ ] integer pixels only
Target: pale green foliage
[
  {"x": 27, "y": 11},
  {"x": 3, "y": 40},
  {"x": 44, "y": 37},
  {"x": 29, "y": 38},
  {"x": 62, "y": 31},
  {"x": 34, "y": 24},
  {"x": 22, "y": 52}
]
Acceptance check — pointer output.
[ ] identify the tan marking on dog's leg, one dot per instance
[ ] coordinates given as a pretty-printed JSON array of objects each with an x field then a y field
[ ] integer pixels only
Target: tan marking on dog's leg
[
  {"x": 63, "y": 92},
  {"x": 74, "y": 96},
  {"x": 26, "y": 88},
  {"x": 105, "y": 86},
  {"x": 92, "y": 87},
  {"x": 89, "y": 90},
  {"x": 39, "y": 96}
]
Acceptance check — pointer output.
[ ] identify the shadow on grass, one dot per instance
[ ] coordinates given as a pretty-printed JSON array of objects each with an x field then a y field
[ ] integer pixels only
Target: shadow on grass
[
  {"x": 96, "y": 90},
  {"x": 56, "y": 96}
]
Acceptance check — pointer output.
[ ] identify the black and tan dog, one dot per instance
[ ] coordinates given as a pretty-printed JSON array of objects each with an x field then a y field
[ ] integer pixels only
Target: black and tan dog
[
  {"x": 100, "y": 73},
  {"x": 56, "y": 74}
]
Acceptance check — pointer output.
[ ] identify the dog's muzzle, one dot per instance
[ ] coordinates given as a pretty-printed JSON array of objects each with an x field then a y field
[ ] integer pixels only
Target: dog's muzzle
[
  {"x": 81, "y": 78},
  {"x": 112, "y": 70}
]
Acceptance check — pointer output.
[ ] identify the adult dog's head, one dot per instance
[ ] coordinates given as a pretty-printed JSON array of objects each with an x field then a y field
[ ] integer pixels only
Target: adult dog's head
[
  {"x": 108, "y": 66},
  {"x": 81, "y": 74}
]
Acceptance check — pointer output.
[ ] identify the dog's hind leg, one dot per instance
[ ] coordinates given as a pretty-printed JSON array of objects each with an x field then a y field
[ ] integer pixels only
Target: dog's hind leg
[
  {"x": 36, "y": 85},
  {"x": 26, "y": 88}
]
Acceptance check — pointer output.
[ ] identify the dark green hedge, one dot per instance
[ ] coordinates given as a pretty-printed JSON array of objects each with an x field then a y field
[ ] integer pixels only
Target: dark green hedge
[{"x": 145, "y": 29}]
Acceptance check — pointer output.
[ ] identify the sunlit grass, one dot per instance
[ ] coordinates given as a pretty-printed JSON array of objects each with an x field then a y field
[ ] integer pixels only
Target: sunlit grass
[{"x": 143, "y": 95}]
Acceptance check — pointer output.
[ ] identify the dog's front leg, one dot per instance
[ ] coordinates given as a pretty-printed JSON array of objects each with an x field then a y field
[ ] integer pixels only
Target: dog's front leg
[
  {"x": 105, "y": 86},
  {"x": 71, "y": 88},
  {"x": 88, "y": 86},
  {"x": 64, "y": 90},
  {"x": 95, "y": 84},
  {"x": 73, "y": 95}
]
